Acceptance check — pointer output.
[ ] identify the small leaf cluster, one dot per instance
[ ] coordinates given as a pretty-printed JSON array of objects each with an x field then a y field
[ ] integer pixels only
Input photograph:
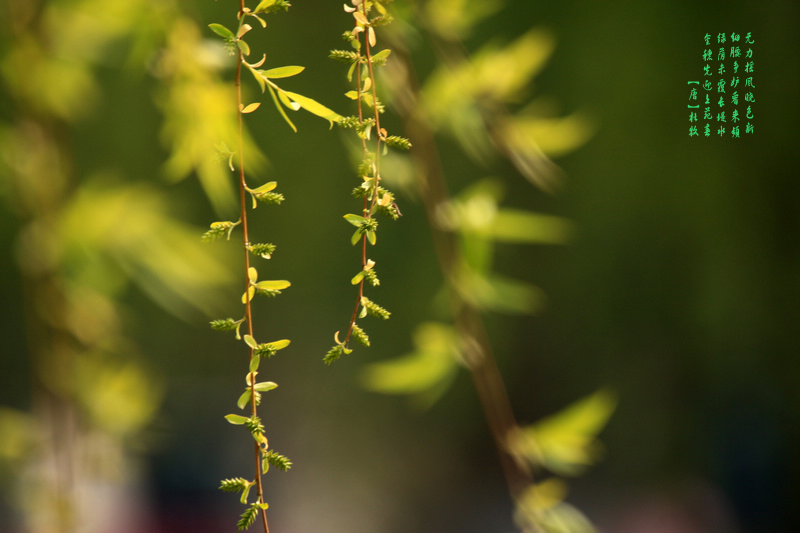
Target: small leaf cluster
[{"x": 219, "y": 230}]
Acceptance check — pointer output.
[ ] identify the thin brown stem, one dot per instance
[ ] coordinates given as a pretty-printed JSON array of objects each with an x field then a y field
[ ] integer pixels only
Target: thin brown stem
[
  {"x": 246, "y": 246},
  {"x": 476, "y": 346}
]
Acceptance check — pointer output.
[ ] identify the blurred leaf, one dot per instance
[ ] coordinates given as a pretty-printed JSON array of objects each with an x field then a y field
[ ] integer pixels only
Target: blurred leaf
[
  {"x": 129, "y": 226},
  {"x": 554, "y": 136},
  {"x": 431, "y": 366},
  {"x": 525, "y": 227},
  {"x": 120, "y": 397},
  {"x": 17, "y": 434},
  {"x": 541, "y": 509},
  {"x": 265, "y": 386},
  {"x": 498, "y": 293},
  {"x": 193, "y": 84},
  {"x": 565, "y": 443},
  {"x": 455, "y": 19},
  {"x": 454, "y": 94}
]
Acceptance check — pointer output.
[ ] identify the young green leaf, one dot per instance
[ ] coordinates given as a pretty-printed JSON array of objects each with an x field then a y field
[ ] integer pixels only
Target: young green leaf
[
  {"x": 250, "y": 341},
  {"x": 270, "y": 185},
  {"x": 244, "y": 399},
  {"x": 355, "y": 220},
  {"x": 279, "y": 345},
  {"x": 283, "y": 72},
  {"x": 314, "y": 107},
  {"x": 273, "y": 285},
  {"x": 254, "y": 362},
  {"x": 244, "y": 47},
  {"x": 265, "y": 386},
  {"x": 236, "y": 419},
  {"x": 222, "y": 31}
]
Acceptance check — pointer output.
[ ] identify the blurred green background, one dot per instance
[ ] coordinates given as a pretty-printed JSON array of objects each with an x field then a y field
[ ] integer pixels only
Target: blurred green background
[{"x": 678, "y": 291}]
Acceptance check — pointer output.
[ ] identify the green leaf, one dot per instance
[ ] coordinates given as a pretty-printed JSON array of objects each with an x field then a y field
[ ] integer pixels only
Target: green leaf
[
  {"x": 355, "y": 238},
  {"x": 273, "y": 285},
  {"x": 254, "y": 362},
  {"x": 279, "y": 107},
  {"x": 379, "y": 59},
  {"x": 244, "y": 399},
  {"x": 355, "y": 220},
  {"x": 372, "y": 237},
  {"x": 279, "y": 345},
  {"x": 283, "y": 72},
  {"x": 266, "y": 187},
  {"x": 314, "y": 107},
  {"x": 265, "y": 386},
  {"x": 252, "y": 273},
  {"x": 244, "y": 47},
  {"x": 250, "y": 341},
  {"x": 245, "y": 493},
  {"x": 236, "y": 419},
  {"x": 357, "y": 278},
  {"x": 222, "y": 31},
  {"x": 352, "y": 95}
]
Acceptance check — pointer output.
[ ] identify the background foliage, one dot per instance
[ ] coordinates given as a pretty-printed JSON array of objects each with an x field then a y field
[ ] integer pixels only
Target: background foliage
[{"x": 678, "y": 289}]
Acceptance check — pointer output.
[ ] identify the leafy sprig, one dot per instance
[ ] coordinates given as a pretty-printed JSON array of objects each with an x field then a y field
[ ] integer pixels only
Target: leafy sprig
[{"x": 363, "y": 60}]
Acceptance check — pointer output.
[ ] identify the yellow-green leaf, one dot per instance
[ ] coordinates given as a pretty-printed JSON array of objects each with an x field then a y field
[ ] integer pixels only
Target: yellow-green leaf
[
  {"x": 279, "y": 345},
  {"x": 265, "y": 386},
  {"x": 250, "y": 341},
  {"x": 314, "y": 107},
  {"x": 222, "y": 31},
  {"x": 279, "y": 107},
  {"x": 283, "y": 72},
  {"x": 236, "y": 419},
  {"x": 273, "y": 285},
  {"x": 251, "y": 107},
  {"x": 244, "y": 399}
]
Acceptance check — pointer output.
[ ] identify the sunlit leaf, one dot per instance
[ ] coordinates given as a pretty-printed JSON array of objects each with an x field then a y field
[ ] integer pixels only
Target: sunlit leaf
[
  {"x": 279, "y": 107},
  {"x": 250, "y": 107},
  {"x": 565, "y": 442},
  {"x": 273, "y": 285},
  {"x": 314, "y": 107},
  {"x": 283, "y": 72},
  {"x": 222, "y": 31}
]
